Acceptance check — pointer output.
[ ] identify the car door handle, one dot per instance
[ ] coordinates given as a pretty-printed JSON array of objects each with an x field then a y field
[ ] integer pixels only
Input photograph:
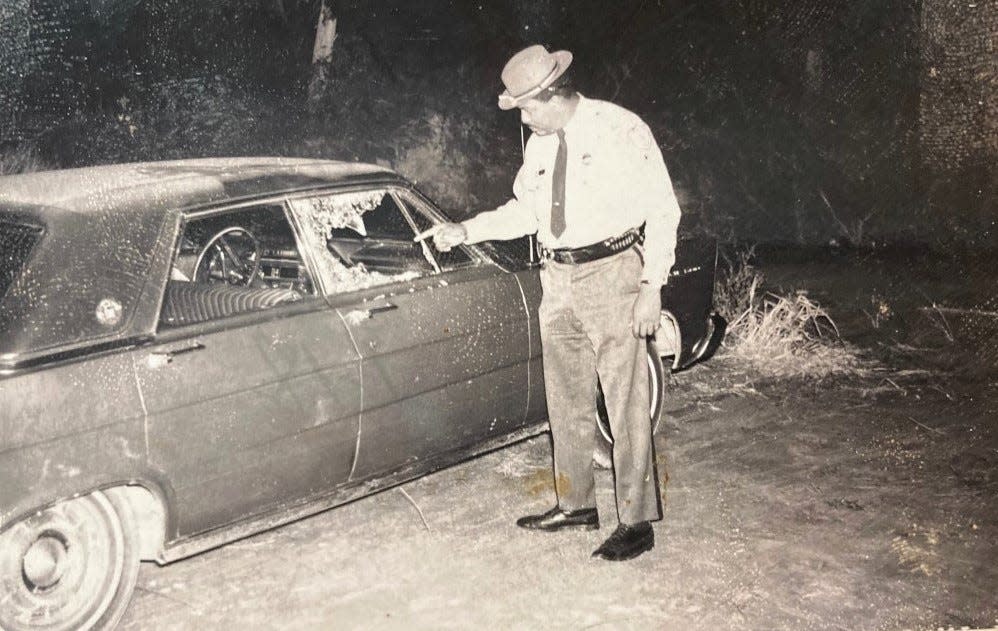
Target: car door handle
[
  {"x": 357, "y": 316},
  {"x": 373, "y": 311},
  {"x": 163, "y": 357}
]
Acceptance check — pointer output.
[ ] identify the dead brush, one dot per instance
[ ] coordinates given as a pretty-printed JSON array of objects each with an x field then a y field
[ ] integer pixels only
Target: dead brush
[
  {"x": 790, "y": 336},
  {"x": 735, "y": 281},
  {"x": 780, "y": 336}
]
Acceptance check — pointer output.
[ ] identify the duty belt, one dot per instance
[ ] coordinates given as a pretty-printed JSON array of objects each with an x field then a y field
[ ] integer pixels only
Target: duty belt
[{"x": 593, "y": 252}]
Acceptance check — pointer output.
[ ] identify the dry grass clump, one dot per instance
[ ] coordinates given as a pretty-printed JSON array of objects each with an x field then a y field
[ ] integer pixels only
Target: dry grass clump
[
  {"x": 735, "y": 281},
  {"x": 781, "y": 336}
]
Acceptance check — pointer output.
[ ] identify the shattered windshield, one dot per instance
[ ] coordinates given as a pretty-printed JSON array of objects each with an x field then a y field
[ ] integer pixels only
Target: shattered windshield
[{"x": 362, "y": 239}]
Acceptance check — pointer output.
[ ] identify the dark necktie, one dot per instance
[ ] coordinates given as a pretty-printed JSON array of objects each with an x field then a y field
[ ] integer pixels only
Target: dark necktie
[{"x": 558, "y": 187}]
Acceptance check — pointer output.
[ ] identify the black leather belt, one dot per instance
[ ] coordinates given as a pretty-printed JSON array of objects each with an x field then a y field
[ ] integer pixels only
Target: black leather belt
[{"x": 593, "y": 252}]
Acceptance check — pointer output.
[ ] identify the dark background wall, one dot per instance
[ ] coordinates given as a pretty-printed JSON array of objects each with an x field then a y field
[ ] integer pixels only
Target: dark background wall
[
  {"x": 958, "y": 117},
  {"x": 814, "y": 121}
]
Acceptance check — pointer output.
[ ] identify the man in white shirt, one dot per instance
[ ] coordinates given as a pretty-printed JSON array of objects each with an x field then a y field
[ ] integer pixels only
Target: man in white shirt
[{"x": 592, "y": 176}]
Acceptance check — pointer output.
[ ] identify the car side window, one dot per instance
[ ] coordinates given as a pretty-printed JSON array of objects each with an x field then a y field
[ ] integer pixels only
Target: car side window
[
  {"x": 456, "y": 258},
  {"x": 233, "y": 262},
  {"x": 361, "y": 239}
]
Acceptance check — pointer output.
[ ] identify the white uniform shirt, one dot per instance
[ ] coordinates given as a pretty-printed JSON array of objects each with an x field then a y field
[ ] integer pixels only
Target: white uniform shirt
[{"x": 615, "y": 180}]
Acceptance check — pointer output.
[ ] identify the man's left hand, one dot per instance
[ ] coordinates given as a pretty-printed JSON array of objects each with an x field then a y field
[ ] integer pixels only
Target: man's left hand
[{"x": 647, "y": 311}]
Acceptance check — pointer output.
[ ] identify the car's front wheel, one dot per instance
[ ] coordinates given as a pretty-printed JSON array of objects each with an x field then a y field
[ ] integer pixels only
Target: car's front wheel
[
  {"x": 656, "y": 380},
  {"x": 71, "y": 566}
]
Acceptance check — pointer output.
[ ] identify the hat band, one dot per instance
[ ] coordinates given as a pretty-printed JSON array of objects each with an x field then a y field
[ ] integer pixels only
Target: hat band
[{"x": 538, "y": 88}]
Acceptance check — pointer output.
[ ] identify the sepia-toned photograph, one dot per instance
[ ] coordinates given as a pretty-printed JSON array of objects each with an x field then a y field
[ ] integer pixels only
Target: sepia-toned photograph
[{"x": 511, "y": 314}]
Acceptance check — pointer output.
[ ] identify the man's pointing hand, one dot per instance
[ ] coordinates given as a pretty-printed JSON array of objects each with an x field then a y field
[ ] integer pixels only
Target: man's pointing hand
[{"x": 445, "y": 235}]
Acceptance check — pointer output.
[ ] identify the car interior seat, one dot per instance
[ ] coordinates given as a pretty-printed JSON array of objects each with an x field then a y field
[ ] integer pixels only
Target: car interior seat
[{"x": 189, "y": 303}]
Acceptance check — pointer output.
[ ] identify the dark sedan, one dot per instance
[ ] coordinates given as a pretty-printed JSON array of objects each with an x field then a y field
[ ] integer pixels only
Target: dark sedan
[{"x": 191, "y": 352}]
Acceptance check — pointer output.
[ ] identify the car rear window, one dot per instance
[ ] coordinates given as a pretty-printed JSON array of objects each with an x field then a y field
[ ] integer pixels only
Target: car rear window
[{"x": 16, "y": 242}]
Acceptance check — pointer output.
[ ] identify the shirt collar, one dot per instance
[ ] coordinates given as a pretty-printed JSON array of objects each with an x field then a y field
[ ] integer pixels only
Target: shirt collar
[{"x": 578, "y": 116}]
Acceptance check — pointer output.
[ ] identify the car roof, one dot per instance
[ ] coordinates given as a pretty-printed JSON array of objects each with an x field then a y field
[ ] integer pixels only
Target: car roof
[
  {"x": 180, "y": 183},
  {"x": 108, "y": 229}
]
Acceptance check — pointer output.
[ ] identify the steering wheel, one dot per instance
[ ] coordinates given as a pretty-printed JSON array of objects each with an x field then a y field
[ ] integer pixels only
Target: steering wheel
[{"x": 232, "y": 256}]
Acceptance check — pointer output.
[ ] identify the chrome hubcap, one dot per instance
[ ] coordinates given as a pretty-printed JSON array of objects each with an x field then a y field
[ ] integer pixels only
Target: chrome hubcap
[
  {"x": 59, "y": 568},
  {"x": 44, "y": 562}
]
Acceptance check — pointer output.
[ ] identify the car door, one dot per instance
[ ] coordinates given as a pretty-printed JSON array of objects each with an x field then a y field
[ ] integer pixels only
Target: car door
[
  {"x": 252, "y": 391},
  {"x": 442, "y": 339}
]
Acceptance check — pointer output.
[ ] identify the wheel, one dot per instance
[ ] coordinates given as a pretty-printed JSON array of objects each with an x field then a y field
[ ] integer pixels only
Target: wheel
[
  {"x": 72, "y": 566},
  {"x": 232, "y": 256},
  {"x": 656, "y": 379}
]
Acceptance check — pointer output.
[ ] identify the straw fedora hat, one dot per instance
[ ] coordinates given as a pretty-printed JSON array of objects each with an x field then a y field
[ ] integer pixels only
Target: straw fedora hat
[{"x": 529, "y": 72}]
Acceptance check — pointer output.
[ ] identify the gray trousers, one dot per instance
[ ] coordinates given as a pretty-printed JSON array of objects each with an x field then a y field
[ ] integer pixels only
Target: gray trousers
[{"x": 585, "y": 320}]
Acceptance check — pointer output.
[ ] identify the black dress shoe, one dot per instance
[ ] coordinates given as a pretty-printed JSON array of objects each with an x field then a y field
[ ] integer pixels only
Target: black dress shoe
[
  {"x": 627, "y": 542},
  {"x": 557, "y": 519}
]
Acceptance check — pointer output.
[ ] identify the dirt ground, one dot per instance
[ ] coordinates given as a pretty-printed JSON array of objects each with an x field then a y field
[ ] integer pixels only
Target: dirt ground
[{"x": 861, "y": 502}]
